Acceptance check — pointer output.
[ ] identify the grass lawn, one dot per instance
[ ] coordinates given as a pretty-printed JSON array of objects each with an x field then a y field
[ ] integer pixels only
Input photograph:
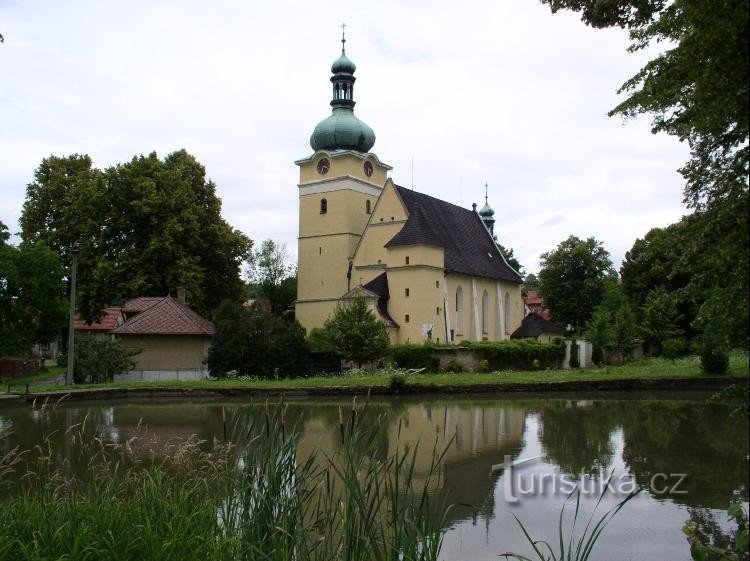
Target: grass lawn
[
  {"x": 46, "y": 373},
  {"x": 646, "y": 369}
]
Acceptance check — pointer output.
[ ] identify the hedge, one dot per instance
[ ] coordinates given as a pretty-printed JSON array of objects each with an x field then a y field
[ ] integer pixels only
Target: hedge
[
  {"x": 415, "y": 356},
  {"x": 521, "y": 354}
]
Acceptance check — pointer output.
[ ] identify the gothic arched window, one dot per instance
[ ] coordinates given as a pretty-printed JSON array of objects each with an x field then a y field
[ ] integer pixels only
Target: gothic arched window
[
  {"x": 485, "y": 313},
  {"x": 459, "y": 310}
]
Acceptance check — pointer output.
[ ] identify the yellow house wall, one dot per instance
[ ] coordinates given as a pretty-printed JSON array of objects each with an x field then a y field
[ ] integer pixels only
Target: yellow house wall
[{"x": 168, "y": 352}]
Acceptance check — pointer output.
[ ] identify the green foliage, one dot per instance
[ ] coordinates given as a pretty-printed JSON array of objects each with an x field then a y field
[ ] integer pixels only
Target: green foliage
[
  {"x": 518, "y": 354},
  {"x": 624, "y": 333},
  {"x": 660, "y": 318},
  {"x": 33, "y": 307},
  {"x": 708, "y": 542},
  {"x": 144, "y": 228},
  {"x": 97, "y": 361},
  {"x": 453, "y": 366},
  {"x": 511, "y": 259},
  {"x": 397, "y": 382},
  {"x": 355, "y": 333},
  {"x": 573, "y": 279},
  {"x": 531, "y": 282},
  {"x": 255, "y": 497},
  {"x": 273, "y": 277},
  {"x": 714, "y": 355},
  {"x": 674, "y": 348},
  {"x": 697, "y": 90},
  {"x": 415, "y": 356},
  {"x": 599, "y": 333},
  {"x": 254, "y": 342}
]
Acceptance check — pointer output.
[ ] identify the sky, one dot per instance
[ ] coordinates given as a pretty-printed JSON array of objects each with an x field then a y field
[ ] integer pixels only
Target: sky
[{"x": 459, "y": 94}]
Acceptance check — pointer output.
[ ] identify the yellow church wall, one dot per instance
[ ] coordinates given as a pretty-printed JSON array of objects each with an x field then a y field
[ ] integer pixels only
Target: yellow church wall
[
  {"x": 346, "y": 212},
  {"x": 389, "y": 207},
  {"x": 423, "y": 303}
]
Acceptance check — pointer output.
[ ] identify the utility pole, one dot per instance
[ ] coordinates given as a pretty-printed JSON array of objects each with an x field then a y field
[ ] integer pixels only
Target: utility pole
[{"x": 72, "y": 317}]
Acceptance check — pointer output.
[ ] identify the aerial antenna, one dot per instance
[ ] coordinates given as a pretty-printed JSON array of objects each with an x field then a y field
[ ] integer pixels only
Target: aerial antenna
[
  {"x": 343, "y": 38},
  {"x": 412, "y": 173}
]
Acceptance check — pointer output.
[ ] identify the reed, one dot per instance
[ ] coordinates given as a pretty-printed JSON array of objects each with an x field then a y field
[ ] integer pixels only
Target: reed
[{"x": 250, "y": 497}]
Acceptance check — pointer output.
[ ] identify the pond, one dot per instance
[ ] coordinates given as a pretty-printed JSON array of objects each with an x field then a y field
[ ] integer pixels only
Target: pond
[{"x": 688, "y": 457}]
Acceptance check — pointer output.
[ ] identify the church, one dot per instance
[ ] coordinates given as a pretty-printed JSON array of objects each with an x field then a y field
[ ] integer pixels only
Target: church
[{"x": 429, "y": 269}]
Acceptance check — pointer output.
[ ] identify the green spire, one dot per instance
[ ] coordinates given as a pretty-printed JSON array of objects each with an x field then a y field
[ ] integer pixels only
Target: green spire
[
  {"x": 486, "y": 213},
  {"x": 342, "y": 130}
]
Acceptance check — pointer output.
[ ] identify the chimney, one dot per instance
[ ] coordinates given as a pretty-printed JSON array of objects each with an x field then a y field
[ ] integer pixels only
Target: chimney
[{"x": 181, "y": 294}]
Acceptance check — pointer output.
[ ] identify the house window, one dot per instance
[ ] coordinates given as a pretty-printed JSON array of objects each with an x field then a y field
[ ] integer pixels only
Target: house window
[
  {"x": 406, "y": 292},
  {"x": 407, "y": 259},
  {"x": 368, "y": 209},
  {"x": 406, "y": 318},
  {"x": 459, "y": 310},
  {"x": 485, "y": 312},
  {"x": 323, "y": 206}
]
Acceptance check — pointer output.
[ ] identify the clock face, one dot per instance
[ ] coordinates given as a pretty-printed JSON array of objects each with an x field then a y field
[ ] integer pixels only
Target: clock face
[
  {"x": 323, "y": 166},
  {"x": 368, "y": 169}
]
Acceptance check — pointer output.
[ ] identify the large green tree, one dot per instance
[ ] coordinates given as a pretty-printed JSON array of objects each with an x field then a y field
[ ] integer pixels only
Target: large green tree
[
  {"x": 144, "y": 228},
  {"x": 696, "y": 89},
  {"x": 33, "y": 307},
  {"x": 572, "y": 279}
]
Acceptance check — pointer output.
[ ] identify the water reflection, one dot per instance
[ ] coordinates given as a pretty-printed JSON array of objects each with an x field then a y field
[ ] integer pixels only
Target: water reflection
[{"x": 574, "y": 436}]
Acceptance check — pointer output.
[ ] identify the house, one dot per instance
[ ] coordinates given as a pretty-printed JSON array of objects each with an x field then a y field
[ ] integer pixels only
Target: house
[
  {"x": 431, "y": 270},
  {"x": 101, "y": 329},
  {"x": 537, "y": 327},
  {"x": 172, "y": 339},
  {"x": 534, "y": 304}
]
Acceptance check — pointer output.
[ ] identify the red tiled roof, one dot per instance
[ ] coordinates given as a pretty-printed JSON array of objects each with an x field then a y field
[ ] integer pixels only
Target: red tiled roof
[
  {"x": 140, "y": 304},
  {"x": 532, "y": 297},
  {"x": 166, "y": 316},
  {"x": 107, "y": 322}
]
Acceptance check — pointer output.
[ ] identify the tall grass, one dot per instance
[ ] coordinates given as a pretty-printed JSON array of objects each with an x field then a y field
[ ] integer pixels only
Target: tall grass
[{"x": 252, "y": 498}]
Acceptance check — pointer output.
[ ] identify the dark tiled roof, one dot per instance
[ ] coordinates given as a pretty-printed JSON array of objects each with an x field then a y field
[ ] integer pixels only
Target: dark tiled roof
[
  {"x": 534, "y": 325},
  {"x": 140, "y": 304},
  {"x": 469, "y": 248},
  {"x": 379, "y": 286},
  {"x": 107, "y": 322},
  {"x": 165, "y": 317}
]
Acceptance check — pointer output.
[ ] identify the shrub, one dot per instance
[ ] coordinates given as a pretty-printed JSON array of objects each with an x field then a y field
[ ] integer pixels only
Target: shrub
[
  {"x": 98, "y": 360},
  {"x": 714, "y": 359},
  {"x": 415, "y": 356},
  {"x": 355, "y": 333},
  {"x": 254, "y": 342},
  {"x": 397, "y": 382},
  {"x": 518, "y": 354},
  {"x": 674, "y": 348},
  {"x": 453, "y": 366}
]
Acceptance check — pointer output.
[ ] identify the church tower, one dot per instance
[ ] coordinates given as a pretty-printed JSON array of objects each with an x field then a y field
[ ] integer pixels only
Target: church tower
[{"x": 338, "y": 187}]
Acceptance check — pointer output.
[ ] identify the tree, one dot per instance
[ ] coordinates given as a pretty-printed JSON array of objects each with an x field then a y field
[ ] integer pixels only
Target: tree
[
  {"x": 274, "y": 277},
  {"x": 661, "y": 260},
  {"x": 531, "y": 282},
  {"x": 355, "y": 333},
  {"x": 697, "y": 90},
  {"x": 573, "y": 278},
  {"x": 144, "y": 228},
  {"x": 98, "y": 360},
  {"x": 33, "y": 308},
  {"x": 660, "y": 318},
  {"x": 253, "y": 342},
  {"x": 510, "y": 258}
]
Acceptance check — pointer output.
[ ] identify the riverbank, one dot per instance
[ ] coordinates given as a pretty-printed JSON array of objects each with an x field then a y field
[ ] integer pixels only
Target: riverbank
[{"x": 648, "y": 374}]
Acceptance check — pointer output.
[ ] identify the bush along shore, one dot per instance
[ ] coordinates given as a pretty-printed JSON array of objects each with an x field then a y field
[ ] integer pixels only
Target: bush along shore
[{"x": 654, "y": 373}]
